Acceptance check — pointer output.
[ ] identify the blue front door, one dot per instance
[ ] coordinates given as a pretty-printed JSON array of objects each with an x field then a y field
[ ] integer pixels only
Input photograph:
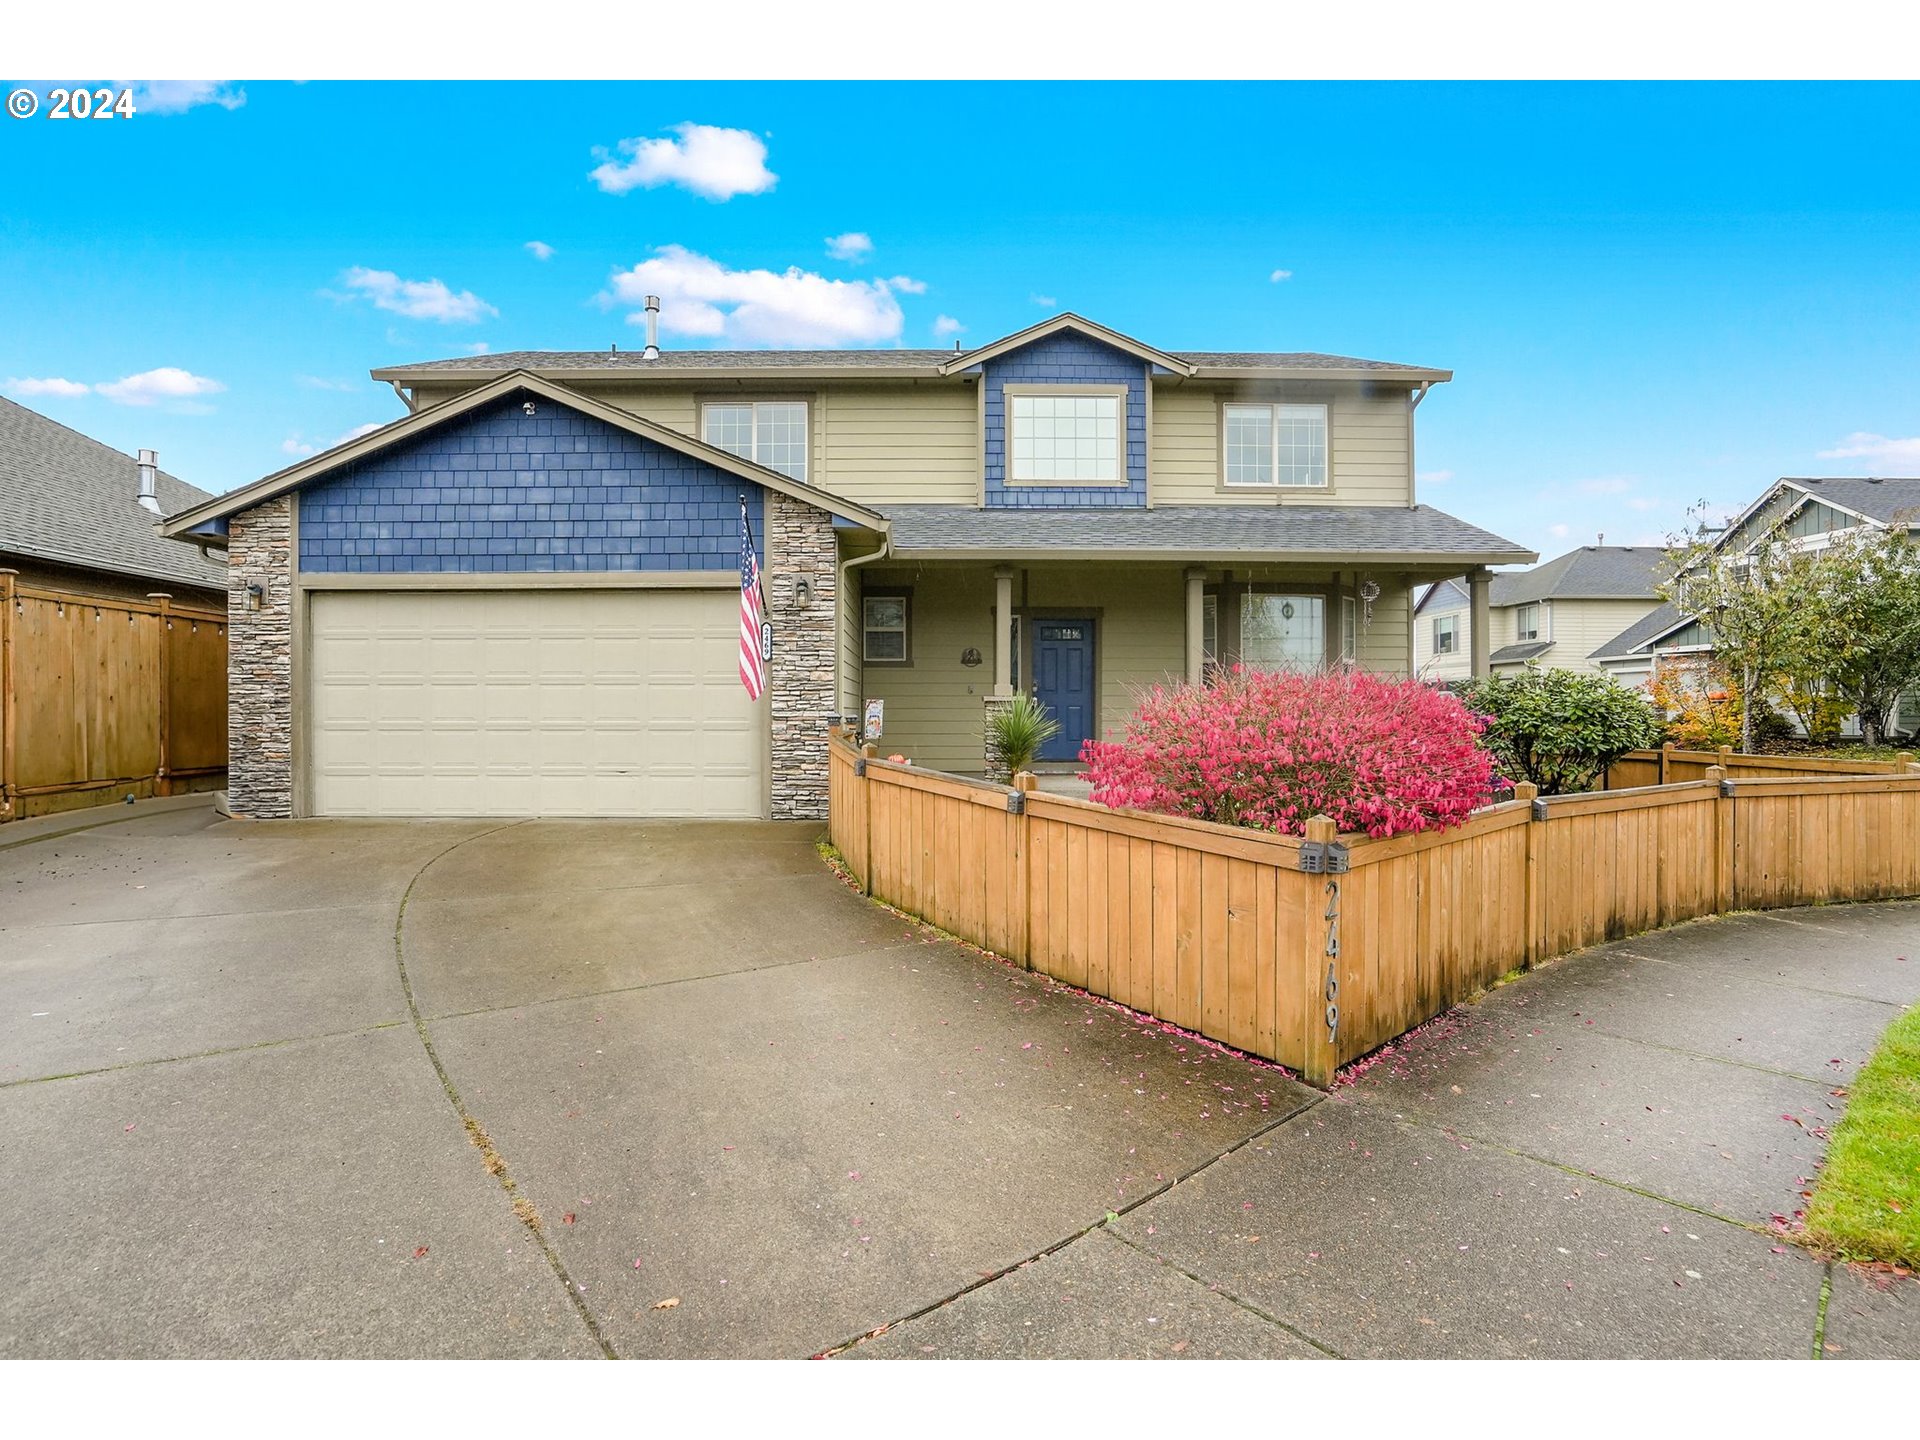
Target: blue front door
[{"x": 1063, "y": 682}]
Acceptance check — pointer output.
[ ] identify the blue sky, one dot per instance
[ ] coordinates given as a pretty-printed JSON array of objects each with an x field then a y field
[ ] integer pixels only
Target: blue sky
[{"x": 1649, "y": 294}]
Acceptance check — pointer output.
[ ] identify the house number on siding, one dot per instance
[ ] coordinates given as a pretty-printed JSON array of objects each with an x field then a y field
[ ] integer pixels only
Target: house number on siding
[{"x": 1333, "y": 955}]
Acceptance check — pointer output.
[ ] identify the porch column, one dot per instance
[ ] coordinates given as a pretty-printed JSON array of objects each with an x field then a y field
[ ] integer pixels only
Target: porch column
[
  {"x": 1003, "y": 630},
  {"x": 1196, "y": 625},
  {"x": 1478, "y": 582}
]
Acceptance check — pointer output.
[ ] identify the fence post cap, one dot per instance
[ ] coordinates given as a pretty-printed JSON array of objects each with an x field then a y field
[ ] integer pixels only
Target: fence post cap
[
  {"x": 1904, "y": 757},
  {"x": 1321, "y": 827},
  {"x": 1725, "y": 750},
  {"x": 1026, "y": 780},
  {"x": 1525, "y": 790},
  {"x": 1716, "y": 773},
  {"x": 869, "y": 749},
  {"x": 1668, "y": 745}
]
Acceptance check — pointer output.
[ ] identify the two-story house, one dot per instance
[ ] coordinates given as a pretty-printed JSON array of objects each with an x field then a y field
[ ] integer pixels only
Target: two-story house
[
  {"x": 1557, "y": 615},
  {"x": 523, "y": 597}
]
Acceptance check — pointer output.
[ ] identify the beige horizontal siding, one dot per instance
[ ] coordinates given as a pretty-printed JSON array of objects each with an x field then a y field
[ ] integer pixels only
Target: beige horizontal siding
[
  {"x": 1384, "y": 639},
  {"x": 1370, "y": 454},
  {"x": 935, "y": 704},
  {"x": 914, "y": 443},
  {"x": 1455, "y": 666}
]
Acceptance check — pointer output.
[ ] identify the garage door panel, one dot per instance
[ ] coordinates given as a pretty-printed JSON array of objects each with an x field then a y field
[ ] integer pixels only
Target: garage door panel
[{"x": 612, "y": 702}]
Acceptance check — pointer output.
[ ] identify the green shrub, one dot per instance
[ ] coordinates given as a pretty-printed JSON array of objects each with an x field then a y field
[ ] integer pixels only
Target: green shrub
[
  {"x": 1560, "y": 729},
  {"x": 1017, "y": 730}
]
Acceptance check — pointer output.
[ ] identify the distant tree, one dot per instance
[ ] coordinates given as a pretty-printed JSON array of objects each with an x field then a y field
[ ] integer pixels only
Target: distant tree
[
  {"x": 1868, "y": 604},
  {"x": 1561, "y": 729}
]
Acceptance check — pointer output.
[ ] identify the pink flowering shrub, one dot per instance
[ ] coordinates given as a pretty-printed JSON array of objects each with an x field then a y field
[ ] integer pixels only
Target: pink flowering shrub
[{"x": 1267, "y": 750}]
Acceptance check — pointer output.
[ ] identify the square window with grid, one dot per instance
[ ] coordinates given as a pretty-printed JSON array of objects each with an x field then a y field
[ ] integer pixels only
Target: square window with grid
[
  {"x": 883, "y": 622},
  {"x": 772, "y": 433},
  {"x": 1279, "y": 445},
  {"x": 1064, "y": 439}
]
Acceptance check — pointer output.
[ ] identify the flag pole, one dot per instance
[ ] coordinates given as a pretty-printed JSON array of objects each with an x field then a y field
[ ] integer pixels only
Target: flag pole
[{"x": 759, "y": 570}]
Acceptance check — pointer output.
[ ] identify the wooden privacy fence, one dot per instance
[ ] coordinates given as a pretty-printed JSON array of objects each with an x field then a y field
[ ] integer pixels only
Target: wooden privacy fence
[
  {"x": 1669, "y": 764},
  {"x": 103, "y": 698},
  {"x": 1314, "y": 951}
]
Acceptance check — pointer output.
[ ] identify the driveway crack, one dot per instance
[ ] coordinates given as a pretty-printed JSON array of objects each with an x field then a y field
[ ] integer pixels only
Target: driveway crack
[{"x": 494, "y": 1161}]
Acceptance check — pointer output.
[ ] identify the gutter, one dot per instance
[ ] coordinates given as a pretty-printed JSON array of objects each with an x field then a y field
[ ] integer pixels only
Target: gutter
[{"x": 840, "y": 600}]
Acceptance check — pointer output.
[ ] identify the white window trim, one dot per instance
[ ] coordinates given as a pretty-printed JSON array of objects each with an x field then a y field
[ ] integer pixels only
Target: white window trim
[
  {"x": 905, "y": 657},
  {"x": 1273, "y": 459},
  {"x": 1452, "y": 633},
  {"x": 1541, "y": 625},
  {"x": 753, "y": 402},
  {"x": 1063, "y": 392}
]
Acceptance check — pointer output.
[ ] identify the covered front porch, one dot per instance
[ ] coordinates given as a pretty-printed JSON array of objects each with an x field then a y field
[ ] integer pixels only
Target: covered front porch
[{"x": 936, "y": 632}]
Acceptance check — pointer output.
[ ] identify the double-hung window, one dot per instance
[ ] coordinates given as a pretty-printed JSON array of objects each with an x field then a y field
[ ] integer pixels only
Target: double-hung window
[
  {"x": 1275, "y": 445},
  {"x": 1061, "y": 436},
  {"x": 1526, "y": 623},
  {"x": 772, "y": 433},
  {"x": 1446, "y": 634},
  {"x": 883, "y": 628}
]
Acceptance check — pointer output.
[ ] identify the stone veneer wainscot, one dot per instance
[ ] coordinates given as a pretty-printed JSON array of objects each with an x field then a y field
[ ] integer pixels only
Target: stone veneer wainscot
[{"x": 260, "y": 661}]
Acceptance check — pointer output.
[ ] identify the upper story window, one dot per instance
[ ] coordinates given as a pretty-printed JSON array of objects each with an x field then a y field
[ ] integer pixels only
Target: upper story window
[
  {"x": 772, "y": 433},
  {"x": 1276, "y": 445},
  {"x": 1526, "y": 623},
  {"x": 1061, "y": 436},
  {"x": 1446, "y": 634}
]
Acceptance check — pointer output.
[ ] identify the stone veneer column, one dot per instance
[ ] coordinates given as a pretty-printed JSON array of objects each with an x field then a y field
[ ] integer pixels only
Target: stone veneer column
[
  {"x": 260, "y": 662},
  {"x": 800, "y": 545}
]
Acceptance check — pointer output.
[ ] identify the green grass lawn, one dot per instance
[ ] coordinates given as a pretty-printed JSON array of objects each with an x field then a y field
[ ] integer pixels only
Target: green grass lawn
[{"x": 1867, "y": 1203}]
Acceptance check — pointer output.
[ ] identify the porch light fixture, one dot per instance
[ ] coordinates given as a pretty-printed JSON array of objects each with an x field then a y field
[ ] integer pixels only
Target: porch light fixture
[
  {"x": 528, "y": 408},
  {"x": 255, "y": 595},
  {"x": 802, "y": 592}
]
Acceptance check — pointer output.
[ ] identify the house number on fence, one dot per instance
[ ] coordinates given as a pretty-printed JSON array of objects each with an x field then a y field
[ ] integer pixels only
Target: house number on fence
[{"x": 1333, "y": 955}]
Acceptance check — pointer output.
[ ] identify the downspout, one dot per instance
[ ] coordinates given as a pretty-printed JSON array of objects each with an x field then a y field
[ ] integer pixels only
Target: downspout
[
  {"x": 840, "y": 626},
  {"x": 405, "y": 398},
  {"x": 1414, "y": 397}
]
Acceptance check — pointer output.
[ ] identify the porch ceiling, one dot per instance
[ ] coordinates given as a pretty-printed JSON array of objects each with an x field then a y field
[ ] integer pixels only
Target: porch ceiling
[{"x": 1416, "y": 535}]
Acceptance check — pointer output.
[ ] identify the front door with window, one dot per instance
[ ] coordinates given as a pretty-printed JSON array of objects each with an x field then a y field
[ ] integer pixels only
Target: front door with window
[{"x": 1063, "y": 682}]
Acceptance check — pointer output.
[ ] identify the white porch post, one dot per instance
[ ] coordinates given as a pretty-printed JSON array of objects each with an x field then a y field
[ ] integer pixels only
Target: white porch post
[
  {"x": 1003, "y": 630},
  {"x": 1478, "y": 583},
  {"x": 1196, "y": 625}
]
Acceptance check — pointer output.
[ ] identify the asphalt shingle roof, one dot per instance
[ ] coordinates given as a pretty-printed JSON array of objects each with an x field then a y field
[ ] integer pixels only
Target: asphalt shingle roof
[
  {"x": 68, "y": 499},
  {"x": 1525, "y": 650},
  {"x": 1253, "y": 529},
  {"x": 1640, "y": 632},
  {"x": 1878, "y": 499},
  {"x": 1593, "y": 572},
  {"x": 879, "y": 361}
]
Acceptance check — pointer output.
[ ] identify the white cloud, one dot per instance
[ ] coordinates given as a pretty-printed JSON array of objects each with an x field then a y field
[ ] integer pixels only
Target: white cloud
[
  {"x": 1045, "y": 302},
  {"x": 295, "y": 446},
  {"x": 1863, "y": 445},
  {"x": 539, "y": 249},
  {"x": 416, "y": 299},
  {"x": 700, "y": 296},
  {"x": 907, "y": 285},
  {"x": 51, "y": 387},
  {"x": 1559, "y": 532},
  {"x": 1434, "y": 477},
  {"x": 176, "y": 97},
  {"x": 945, "y": 326},
  {"x": 855, "y": 245},
  {"x": 300, "y": 447},
  {"x": 359, "y": 430},
  {"x": 169, "y": 383},
  {"x": 1277, "y": 276},
  {"x": 708, "y": 160}
]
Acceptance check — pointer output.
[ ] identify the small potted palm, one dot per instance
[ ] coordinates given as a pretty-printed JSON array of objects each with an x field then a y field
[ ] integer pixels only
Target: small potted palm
[{"x": 1016, "y": 731}]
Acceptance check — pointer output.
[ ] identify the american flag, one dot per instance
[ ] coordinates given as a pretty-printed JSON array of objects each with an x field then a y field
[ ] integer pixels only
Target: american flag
[{"x": 753, "y": 669}]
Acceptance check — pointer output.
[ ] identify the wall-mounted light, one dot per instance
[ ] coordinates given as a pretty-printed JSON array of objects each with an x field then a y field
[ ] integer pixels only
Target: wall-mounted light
[
  {"x": 802, "y": 592},
  {"x": 528, "y": 408},
  {"x": 255, "y": 597}
]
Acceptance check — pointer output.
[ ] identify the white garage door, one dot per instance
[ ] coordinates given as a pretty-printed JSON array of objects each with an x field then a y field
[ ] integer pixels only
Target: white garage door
[{"x": 531, "y": 702}]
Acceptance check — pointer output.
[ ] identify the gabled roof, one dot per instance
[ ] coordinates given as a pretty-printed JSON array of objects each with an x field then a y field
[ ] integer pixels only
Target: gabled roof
[
  {"x": 1332, "y": 534},
  {"x": 68, "y": 499},
  {"x": 1875, "y": 499},
  {"x": 1067, "y": 320},
  {"x": 1640, "y": 636},
  {"x": 1593, "y": 572},
  {"x": 1443, "y": 595},
  {"x": 904, "y": 364},
  {"x": 411, "y": 426}
]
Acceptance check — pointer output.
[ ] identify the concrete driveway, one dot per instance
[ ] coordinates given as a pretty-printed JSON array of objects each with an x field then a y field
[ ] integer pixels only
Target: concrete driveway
[{"x": 591, "y": 1088}]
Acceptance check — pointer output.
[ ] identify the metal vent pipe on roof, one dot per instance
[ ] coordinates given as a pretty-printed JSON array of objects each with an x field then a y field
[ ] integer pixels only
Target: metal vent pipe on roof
[
  {"x": 149, "y": 495},
  {"x": 653, "y": 327}
]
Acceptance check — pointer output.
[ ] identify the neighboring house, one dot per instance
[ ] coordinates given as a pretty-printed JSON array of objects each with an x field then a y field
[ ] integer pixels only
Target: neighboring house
[
  {"x": 1805, "y": 511},
  {"x": 72, "y": 519},
  {"x": 1553, "y": 615},
  {"x": 112, "y": 640},
  {"x": 522, "y": 597}
]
